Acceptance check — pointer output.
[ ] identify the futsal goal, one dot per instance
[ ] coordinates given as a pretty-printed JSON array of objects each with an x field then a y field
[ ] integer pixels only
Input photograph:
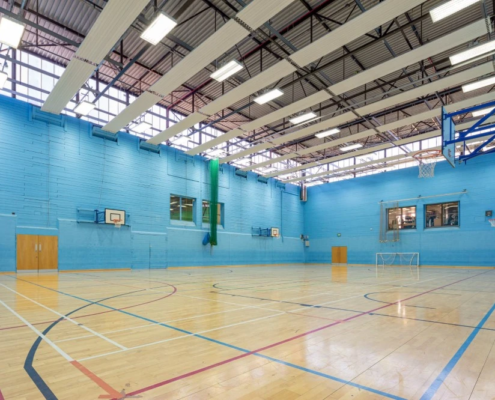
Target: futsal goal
[{"x": 397, "y": 263}]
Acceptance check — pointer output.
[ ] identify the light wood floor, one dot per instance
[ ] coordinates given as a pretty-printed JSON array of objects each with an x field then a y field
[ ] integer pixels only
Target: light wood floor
[{"x": 272, "y": 333}]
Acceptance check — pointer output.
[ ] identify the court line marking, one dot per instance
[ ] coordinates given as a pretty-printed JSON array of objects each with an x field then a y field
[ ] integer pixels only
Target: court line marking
[
  {"x": 48, "y": 341},
  {"x": 432, "y": 390},
  {"x": 254, "y": 352},
  {"x": 1, "y": 396},
  {"x": 68, "y": 319},
  {"x": 100, "y": 382}
]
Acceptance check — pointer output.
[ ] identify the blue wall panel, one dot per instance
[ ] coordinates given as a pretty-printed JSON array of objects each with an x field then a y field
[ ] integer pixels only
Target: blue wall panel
[
  {"x": 48, "y": 172},
  {"x": 351, "y": 207}
]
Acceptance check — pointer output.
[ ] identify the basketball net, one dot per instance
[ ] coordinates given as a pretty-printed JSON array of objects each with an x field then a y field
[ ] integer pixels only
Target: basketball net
[
  {"x": 427, "y": 161},
  {"x": 117, "y": 222}
]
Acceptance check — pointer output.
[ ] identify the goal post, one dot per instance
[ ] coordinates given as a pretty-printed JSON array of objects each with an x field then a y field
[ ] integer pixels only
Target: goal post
[{"x": 397, "y": 262}]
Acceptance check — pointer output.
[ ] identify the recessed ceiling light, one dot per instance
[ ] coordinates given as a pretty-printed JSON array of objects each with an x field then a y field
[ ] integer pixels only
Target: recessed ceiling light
[
  {"x": 11, "y": 32},
  {"x": 480, "y": 113},
  {"x": 227, "y": 70},
  {"x": 84, "y": 108},
  {"x": 3, "y": 78},
  {"x": 159, "y": 28},
  {"x": 302, "y": 118},
  {"x": 351, "y": 147},
  {"x": 323, "y": 134},
  {"x": 142, "y": 127},
  {"x": 478, "y": 85},
  {"x": 269, "y": 96},
  {"x": 449, "y": 8},
  {"x": 473, "y": 52}
]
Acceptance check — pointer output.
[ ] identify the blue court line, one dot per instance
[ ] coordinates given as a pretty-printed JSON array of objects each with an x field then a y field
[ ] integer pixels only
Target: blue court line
[
  {"x": 430, "y": 392},
  {"x": 334, "y": 378}
]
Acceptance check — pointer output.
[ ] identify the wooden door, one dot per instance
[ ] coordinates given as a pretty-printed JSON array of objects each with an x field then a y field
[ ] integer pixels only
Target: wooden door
[
  {"x": 27, "y": 252},
  {"x": 339, "y": 255},
  {"x": 47, "y": 252}
]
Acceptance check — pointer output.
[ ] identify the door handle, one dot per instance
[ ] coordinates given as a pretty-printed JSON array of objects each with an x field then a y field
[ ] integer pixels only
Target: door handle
[
  {"x": 35, "y": 247},
  {"x": 40, "y": 247}
]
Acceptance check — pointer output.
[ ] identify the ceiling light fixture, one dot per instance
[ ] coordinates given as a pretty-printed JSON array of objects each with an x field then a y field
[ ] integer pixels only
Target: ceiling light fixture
[
  {"x": 84, "y": 108},
  {"x": 268, "y": 96},
  {"x": 159, "y": 28},
  {"x": 480, "y": 113},
  {"x": 3, "y": 78},
  {"x": 477, "y": 51},
  {"x": 478, "y": 85},
  {"x": 449, "y": 8},
  {"x": 302, "y": 118},
  {"x": 227, "y": 70},
  {"x": 323, "y": 134},
  {"x": 142, "y": 127},
  {"x": 11, "y": 32},
  {"x": 351, "y": 147}
]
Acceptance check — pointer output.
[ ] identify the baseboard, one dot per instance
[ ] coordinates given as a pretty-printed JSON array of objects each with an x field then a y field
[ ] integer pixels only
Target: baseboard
[
  {"x": 75, "y": 271},
  {"x": 235, "y": 266}
]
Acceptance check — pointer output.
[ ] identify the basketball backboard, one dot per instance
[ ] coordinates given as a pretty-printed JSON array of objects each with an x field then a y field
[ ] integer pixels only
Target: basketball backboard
[{"x": 448, "y": 135}]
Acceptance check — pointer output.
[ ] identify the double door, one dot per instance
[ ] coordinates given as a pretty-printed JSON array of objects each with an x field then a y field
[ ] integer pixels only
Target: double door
[
  {"x": 339, "y": 255},
  {"x": 37, "y": 252}
]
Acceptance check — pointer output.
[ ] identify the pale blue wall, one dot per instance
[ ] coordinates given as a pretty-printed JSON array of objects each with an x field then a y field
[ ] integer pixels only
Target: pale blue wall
[
  {"x": 47, "y": 172},
  {"x": 351, "y": 208}
]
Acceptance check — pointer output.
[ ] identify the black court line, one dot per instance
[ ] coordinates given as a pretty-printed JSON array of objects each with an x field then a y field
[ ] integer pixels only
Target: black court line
[
  {"x": 289, "y": 302},
  {"x": 432, "y": 322}
]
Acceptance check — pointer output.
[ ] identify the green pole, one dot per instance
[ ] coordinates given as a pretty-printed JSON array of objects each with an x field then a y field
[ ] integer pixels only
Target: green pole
[{"x": 214, "y": 167}]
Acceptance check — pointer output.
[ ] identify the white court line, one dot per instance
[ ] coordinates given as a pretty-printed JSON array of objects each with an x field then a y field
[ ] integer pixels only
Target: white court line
[
  {"x": 48, "y": 341},
  {"x": 156, "y": 323},
  {"x": 67, "y": 319},
  {"x": 181, "y": 337}
]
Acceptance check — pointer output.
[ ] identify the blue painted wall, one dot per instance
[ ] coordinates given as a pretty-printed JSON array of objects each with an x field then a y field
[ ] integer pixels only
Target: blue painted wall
[
  {"x": 352, "y": 208},
  {"x": 47, "y": 172}
]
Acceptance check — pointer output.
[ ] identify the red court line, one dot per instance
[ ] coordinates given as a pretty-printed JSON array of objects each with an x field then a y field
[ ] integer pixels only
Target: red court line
[
  {"x": 188, "y": 374},
  {"x": 97, "y": 313},
  {"x": 100, "y": 382},
  {"x": 1, "y": 396}
]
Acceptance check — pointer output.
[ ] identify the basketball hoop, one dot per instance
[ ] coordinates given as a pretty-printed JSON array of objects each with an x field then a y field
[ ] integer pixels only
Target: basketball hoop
[
  {"x": 492, "y": 221},
  {"x": 427, "y": 161},
  {"x": 117, "y": 223}
]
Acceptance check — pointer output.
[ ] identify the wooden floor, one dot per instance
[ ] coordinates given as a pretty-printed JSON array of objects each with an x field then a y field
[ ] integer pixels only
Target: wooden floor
[{"x": 280, "y": 332}]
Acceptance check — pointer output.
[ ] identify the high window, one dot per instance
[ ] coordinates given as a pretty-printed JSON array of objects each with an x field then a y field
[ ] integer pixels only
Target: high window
[
  {"x": 181, "y": 208},
  {"x": 206, "y": 212},
  {"x": 402, "y": 218},
  {"x": 442, "y": 214}
]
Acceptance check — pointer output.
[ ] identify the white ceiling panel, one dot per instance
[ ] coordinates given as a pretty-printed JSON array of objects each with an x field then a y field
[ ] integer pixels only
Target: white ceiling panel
[
  {"x": 75, "y": 75},
  {"x": 110, "y": 25},
  {"x": 423, "y": 90},
  {"x": 362, "y": 24},
  {"x": 446, "y": 42},
  {"x": 260, "y": 81},
  {"x": 143, "y": 102},
  {"x": 243, "y": 153},
  {"x": 260, "y": 11},
  {"x": 215, "y": 142},
  {"x": 179, "y": 127}
]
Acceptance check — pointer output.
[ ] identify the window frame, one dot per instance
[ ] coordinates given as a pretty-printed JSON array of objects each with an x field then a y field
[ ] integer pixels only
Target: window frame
[
  {"x": 442, "y": 215},
  {"x": 402, "y": 218},
  {"x": 222, "y": 205},
  {"x": 180, "y": 220}
]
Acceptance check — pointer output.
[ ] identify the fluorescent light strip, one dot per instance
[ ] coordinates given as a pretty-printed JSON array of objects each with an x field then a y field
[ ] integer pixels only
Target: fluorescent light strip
[
  {"x": 227, "y": 71},
  {"x": 142, "y": 127},
  {"x": 333, "y": 131},
  {"x": 449, "y": 8},
  {"x": 473, "y": 52},
  {"x": 11, "y": 32},
  {"x": 480, "y": 113},
  {"x": 351, "y": 147},
  {"x": 478, "y": 85},
  {"x": 3, "y": 78},
  {"x": 302, "y": 118},
  {"x": 84, "y": 108},
  {"x": 269, "y": 96},
  {"x": 159, "y": 28}
]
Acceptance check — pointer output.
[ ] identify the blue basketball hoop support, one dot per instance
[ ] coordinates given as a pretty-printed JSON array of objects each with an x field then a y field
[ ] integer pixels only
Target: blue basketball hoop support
[{"x": 449, "y": 139}]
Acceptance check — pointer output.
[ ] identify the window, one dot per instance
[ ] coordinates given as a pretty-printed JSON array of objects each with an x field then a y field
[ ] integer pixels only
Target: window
[
  {"x": 443, "y": 214},
  {"x": 181, "y": 208},
  {"x": 402, "y": 218},
  {"x": 206, "y": 212}
]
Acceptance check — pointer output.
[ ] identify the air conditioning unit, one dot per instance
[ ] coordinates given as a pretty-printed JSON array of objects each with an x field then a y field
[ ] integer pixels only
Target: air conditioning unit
[
  {"x": 37, "y": 115},
  {"x": 100, "y": 133}
]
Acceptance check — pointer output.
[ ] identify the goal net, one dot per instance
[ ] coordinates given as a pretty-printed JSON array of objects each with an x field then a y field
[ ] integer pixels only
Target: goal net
[{"x": 397, "y": 263}]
